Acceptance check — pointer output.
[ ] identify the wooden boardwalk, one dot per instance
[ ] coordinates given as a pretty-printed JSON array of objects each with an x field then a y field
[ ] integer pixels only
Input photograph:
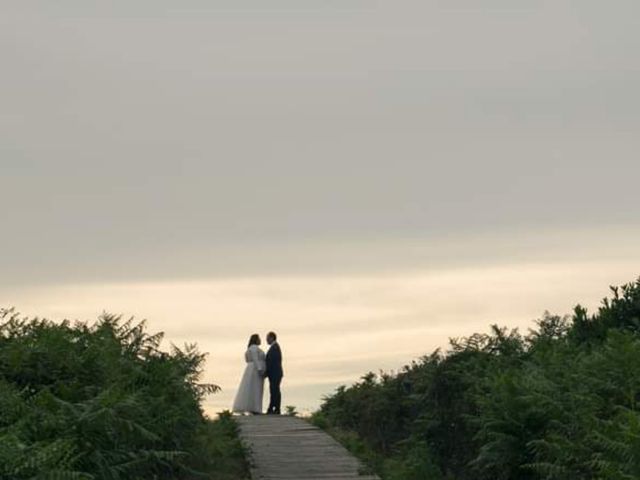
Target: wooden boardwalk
[{"x": 284, "y": 447}]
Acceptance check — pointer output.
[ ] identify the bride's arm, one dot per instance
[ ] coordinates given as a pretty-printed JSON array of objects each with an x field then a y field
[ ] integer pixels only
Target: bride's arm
[{"x": 255, "y": 358}]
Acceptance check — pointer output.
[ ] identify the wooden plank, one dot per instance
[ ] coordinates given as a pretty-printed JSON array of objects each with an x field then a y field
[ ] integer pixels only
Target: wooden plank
[{"x": 287, "y": 448}]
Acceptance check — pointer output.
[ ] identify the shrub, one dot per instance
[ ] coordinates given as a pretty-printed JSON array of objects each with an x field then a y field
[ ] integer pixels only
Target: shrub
[
  {"x": 97, "y": 401},
  {"x": 562, "y": 402}
]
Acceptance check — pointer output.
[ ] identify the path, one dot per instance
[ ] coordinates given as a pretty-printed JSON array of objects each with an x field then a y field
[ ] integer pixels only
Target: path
[{"x": 284, "y": 447}]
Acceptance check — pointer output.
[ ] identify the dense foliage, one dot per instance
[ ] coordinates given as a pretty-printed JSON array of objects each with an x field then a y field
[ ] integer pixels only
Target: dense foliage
[
  {"x": 102, "y": 401},
  {"x": 562, "y": 402}
]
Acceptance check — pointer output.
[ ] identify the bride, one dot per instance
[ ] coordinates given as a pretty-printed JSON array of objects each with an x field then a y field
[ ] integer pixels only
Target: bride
[{"x": 249, "y": 396}]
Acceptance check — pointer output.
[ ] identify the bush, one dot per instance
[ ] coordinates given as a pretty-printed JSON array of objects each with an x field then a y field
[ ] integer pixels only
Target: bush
[
  {"x": 561, "y": 402},
  {"x": 97, "y": 401}
]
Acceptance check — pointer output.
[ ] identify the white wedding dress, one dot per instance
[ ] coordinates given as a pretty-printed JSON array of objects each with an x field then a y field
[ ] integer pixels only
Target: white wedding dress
[{"x": 249, "y": 395}]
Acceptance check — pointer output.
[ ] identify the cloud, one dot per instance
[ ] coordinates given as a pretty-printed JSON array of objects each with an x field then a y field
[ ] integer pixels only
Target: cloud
[
  {"x": 156, "y": 139},
  {"x": 334, "y": 327},
  {"x": 369, "y": 178}
]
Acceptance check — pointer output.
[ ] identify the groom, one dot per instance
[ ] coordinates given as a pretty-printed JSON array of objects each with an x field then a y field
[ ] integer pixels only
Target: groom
[{"x": 274, "y": 373}]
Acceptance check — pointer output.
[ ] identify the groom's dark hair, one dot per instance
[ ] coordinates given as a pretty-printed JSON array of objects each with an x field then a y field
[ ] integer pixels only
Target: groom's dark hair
[{"x": 272, "y": 335}]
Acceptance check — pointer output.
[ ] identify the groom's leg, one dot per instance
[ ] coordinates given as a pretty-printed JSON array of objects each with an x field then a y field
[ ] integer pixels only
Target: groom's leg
[
  {"x": 276, "y": 396},
  {"x": 271, "y": 408}
]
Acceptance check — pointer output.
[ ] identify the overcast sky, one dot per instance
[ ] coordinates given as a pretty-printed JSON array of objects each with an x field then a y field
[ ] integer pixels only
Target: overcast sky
[{"x": 173, "y": 141}]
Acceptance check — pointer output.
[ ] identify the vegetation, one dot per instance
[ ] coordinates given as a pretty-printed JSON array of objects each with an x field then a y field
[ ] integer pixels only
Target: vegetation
[
  {"x": 102, "y": 401},
  {"x": 223, "y": 455},
  {"x": 291, "y": 411},
  {"x": 562, "y": 401}
]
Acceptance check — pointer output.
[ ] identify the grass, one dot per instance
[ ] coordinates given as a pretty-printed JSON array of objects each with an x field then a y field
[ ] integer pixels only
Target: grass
[{"x": 223, "y": 456}]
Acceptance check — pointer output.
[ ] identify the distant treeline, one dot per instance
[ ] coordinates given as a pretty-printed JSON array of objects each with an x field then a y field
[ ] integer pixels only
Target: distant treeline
[
  {"x": 561, "y": 402},
  {"x": 101, "y": 401}
]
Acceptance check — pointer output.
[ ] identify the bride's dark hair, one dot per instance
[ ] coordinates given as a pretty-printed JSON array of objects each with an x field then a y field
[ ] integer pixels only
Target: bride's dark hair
[{"x": 254, "y": 340}]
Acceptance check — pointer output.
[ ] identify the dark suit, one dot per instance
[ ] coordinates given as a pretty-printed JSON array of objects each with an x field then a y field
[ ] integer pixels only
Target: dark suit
[{"x": 274, "y": 373}]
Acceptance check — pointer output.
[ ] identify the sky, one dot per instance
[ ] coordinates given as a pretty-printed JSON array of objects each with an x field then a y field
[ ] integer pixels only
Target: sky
[{"x": 368, "y": 178}]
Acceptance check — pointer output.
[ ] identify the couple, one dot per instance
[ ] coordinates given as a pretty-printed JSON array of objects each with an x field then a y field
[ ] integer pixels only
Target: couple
[{"x": 249, "y": 396}]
